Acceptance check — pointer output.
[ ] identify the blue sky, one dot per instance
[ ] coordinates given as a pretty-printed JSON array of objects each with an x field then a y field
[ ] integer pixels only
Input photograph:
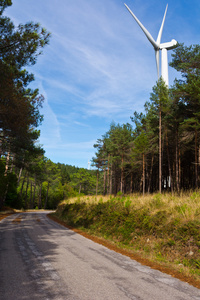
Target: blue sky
[{"x": 99, "y": 67}]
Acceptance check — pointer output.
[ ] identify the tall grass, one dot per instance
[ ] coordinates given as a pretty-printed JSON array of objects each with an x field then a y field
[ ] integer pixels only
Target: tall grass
[{"x": 185, "y": 205}]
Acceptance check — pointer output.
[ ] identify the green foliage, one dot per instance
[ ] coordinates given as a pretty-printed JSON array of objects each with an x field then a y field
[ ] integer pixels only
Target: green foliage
[
  {"x": 182, "y": 208},
  {"x": 3, "y": 179},
  {"x": 19, "y": 105},
  {"x": 4, "y": 4},
  {"x": 8, "y": 187},
  {"x": 111, "y": 218},
  {"x": 83, "y": 181},
  {"x": 157, "y": 201},
  {"x": 11, "y": 196},
  {"x": 190, "y": 231},
  {"x": 195, "y": 196},
  {"x": 43, "y": 184},
  {"x": 116, "y": 217}
]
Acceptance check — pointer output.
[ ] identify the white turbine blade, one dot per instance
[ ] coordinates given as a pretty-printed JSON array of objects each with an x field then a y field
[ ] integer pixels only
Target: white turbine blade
[
  {"x": 157, "y": 54},
  {"x": 161, "y": 27},
  {"x": 148, "y": 35}
]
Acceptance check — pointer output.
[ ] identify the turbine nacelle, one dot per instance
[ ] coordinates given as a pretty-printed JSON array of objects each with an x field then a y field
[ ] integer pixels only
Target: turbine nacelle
[{"x": 169, "y": 45}]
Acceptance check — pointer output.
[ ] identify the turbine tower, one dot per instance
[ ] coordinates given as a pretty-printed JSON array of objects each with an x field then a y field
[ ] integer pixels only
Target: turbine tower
[{"x": 158, "y": 46}]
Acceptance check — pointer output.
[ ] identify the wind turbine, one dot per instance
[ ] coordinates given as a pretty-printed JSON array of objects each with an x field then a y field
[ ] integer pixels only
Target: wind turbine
[{"x": 158, "y": 46}]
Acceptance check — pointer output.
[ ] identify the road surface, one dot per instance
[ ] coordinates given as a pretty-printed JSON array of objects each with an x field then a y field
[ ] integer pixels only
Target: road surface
[{"x": 40, "y": 259}]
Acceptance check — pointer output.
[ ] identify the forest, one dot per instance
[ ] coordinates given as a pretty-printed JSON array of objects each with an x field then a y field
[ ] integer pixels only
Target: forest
[{"x": 158, "y": 150}]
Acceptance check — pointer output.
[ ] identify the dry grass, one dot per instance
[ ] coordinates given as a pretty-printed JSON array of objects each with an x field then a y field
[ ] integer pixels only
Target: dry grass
[{"x": 186, "y": 205}]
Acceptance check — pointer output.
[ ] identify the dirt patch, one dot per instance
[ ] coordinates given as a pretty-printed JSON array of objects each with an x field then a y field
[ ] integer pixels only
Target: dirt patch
[{"x": 134, "y": 256}]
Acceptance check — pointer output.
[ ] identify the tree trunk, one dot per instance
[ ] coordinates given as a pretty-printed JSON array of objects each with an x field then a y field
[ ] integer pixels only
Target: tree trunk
[
  {"x": 23, "y": 184},
  {"x": 169, "y": 164},
  {"x": 5, "y": 193},
  {"x": 1, "y": 139},
  {"x": 45, "y": 205},
  {"x": 196, "y": 160},
  {"x": 131, "y": 185},
  {"x": 40, "y": 197},
  {"x": 150, "y": 173},
  {"x": 27, "y": 184},
  {"x": 122, "y": 176},
  {"x": 111, "y": 175},
  {"x": 79, "y": 189},
  {"x": 12, "y": 164},
  {"x": 5, "y": 174},
  {"x": 177, "y": 166},
  {"x": 108, "y": 175},
  {"x": 1, "y": 202},
  {"x": 7, "y": 163},
  {"x": 104, "y": 181},
  {"x": 143, "y": 172},
  {"x": 33, "y": 200},
  {"x": 114, "y": 182},
  {"x": 19, "y": 177},
  {"x": 160, "y": 151},
  {"x": 97, "y": 182},
  {"x": 31, "y": 194}
]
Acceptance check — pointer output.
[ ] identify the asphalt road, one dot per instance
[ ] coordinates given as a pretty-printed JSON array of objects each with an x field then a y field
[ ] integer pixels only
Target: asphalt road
[{"x": 40, "y": 259}]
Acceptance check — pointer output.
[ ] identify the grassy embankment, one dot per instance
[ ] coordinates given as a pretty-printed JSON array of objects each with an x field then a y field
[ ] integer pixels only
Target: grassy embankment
[{"x": 164, "y": 229}]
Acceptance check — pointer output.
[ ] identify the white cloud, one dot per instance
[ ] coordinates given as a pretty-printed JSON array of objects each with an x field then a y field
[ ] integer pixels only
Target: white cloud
[
  {"x": 50, "y": 133},
  {"x": 81, "y": 124}
]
